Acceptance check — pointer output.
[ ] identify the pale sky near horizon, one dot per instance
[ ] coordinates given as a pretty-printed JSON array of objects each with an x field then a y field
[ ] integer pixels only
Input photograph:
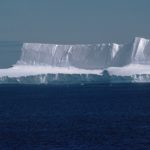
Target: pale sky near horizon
[{"x": 74, "y": 21}]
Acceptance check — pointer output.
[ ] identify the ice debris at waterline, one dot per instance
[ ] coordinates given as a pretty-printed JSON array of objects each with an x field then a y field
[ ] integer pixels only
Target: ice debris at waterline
[{"x": 99, "y": 63}]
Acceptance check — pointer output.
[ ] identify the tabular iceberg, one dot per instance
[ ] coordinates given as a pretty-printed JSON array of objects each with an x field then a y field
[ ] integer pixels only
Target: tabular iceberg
[{"x": 52, "y": 63}]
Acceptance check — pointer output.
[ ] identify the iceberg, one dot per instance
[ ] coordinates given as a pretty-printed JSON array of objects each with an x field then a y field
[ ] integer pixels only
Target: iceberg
[{"x": 53, "y": 63}]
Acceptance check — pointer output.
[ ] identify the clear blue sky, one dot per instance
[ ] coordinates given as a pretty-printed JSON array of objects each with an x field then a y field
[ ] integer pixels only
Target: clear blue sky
[{"x": 74, "y": 21}]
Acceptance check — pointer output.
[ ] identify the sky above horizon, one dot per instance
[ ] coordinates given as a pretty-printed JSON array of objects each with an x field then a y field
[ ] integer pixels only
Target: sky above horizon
[{"x": 74, "y": 21}]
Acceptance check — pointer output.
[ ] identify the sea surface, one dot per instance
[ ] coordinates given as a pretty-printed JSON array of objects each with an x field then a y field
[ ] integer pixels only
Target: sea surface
[{"x": 75, "y": 117}]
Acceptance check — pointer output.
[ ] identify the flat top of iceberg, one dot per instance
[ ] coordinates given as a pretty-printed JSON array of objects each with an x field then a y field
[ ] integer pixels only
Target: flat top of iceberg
[
  {"x": 129, "y": 70},
  {"x": 22, "y": 71}
]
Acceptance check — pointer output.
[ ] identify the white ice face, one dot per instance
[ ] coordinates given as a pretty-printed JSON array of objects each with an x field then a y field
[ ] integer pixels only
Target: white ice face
[
  {"x": 96, "y": 56},
  {"x": 80, "y": 56},
  {"x": 141, "y": 51}
]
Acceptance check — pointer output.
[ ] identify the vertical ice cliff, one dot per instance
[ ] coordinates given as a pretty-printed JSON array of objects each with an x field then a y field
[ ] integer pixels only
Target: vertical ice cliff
[
  {"x": 141, "y": 51},
  {"x": 115, "y": 49},
  {"x": 90, "y": 56}
]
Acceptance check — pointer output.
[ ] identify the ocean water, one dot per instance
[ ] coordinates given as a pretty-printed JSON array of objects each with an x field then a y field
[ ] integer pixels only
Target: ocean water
[{"x": 75, "y": 117}]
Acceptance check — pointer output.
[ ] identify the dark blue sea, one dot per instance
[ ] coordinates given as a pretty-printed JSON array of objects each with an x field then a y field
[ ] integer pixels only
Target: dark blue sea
[{"x": 75, "y": 117}]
